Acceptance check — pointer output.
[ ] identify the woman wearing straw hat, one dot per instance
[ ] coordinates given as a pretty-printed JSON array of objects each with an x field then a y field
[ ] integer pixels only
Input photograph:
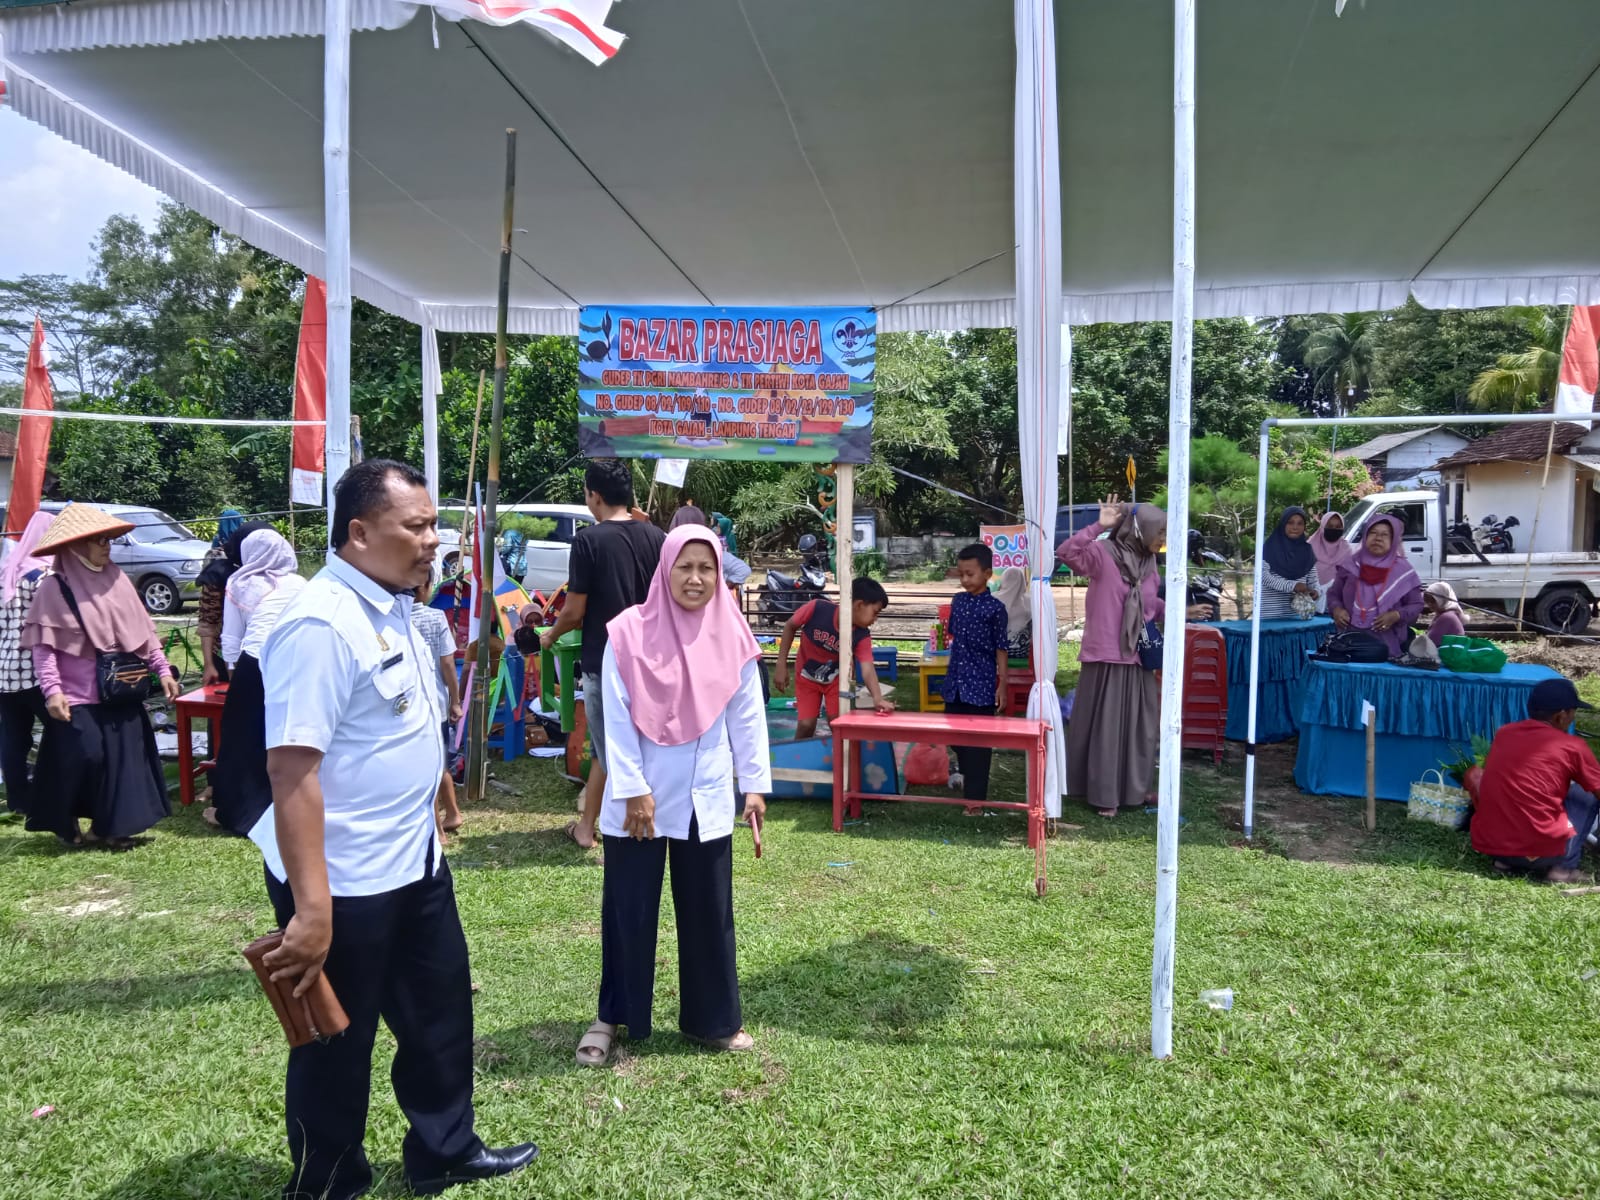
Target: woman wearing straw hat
[{"x": 98, "y": 758}]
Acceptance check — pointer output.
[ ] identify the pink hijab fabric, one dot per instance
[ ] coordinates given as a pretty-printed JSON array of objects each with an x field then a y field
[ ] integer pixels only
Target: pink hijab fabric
[
  {"x": 1330, "y": 556},
  {"x": 1400, "y": 577},
  {"x": 112, "y": 612},
  {"x": 654, "y": 644},
  {"x": 22, "y": 560}
]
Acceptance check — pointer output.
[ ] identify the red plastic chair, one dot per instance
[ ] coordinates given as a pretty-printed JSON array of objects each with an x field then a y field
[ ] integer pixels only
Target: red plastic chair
[{"x": 1205, "y": 690}]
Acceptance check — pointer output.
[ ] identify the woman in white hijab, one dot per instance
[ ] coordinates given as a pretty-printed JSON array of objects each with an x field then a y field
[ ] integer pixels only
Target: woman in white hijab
[
  {"x": 1013, "y": 593},
  {"x": 257, "y": 593}
]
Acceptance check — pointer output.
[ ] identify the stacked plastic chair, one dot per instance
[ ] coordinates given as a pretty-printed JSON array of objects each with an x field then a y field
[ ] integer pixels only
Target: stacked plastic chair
[{"x": 1205, "y": 690}]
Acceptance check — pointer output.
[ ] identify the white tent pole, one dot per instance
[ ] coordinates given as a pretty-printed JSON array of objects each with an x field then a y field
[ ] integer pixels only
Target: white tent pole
[
  {"x": 1172, "y": 662},
  {"x": 336, "y": 234},
  {"x": 1255, "y": 638},
  {"x": 432, "y": 384},
  {"x": 844, "y": 533}
]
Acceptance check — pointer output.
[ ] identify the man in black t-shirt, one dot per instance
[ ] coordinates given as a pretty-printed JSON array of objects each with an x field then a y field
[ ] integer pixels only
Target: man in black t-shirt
[{"x": 610, "y": 568}]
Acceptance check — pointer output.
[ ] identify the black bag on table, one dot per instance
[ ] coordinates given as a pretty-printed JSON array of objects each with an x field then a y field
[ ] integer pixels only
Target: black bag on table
[{"x": 1352, "y": 646}]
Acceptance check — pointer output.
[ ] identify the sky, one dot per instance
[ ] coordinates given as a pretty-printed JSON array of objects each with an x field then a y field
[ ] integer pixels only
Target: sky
[{"x": 56, "y": 198}]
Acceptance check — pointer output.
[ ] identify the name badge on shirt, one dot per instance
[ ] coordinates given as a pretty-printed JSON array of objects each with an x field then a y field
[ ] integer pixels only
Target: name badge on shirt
[{"x": 402, "y": 701}]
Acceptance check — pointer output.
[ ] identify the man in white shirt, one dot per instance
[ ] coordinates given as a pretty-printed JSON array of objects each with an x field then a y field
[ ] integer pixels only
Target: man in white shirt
[{"x": 354, "y": 752}]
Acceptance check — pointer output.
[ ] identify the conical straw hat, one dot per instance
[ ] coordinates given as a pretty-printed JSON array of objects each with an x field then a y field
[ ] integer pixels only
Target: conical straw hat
[{"x": 76, "y": 523}]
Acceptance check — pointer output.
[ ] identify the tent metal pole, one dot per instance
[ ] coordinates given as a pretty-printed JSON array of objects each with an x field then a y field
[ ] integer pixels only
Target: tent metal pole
[
  {"x": 1172, "y": 662},
  {"x": 336, "y": 237},
  {"x": 1255, "y": 638}
]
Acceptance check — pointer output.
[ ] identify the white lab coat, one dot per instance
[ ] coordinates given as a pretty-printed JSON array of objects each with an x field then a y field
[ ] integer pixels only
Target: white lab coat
[{"x": 693, "y": 780}]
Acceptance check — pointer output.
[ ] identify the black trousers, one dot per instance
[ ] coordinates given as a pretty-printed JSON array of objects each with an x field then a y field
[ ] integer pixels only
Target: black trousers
[
  {"x": 630, "y": 915},
  {"x": 402, "y": 956},
  {"x": 18, "y": 712},
  {"x": 973, "y": 760}
]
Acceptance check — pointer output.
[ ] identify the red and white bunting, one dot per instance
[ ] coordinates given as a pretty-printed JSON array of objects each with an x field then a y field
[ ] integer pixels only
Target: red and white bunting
[
  {"x": 580, "y": 25},
  {"x": 1580, "y": 364}
]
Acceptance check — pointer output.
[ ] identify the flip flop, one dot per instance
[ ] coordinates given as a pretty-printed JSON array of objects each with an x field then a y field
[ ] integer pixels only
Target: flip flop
[
  {"x": 737, "y": 1043},
  {"x": 594, "y": 1047},
  {"x": 450, "y": 827},
  {"x": 1108, "y": 813},
  {"x": 572, "y": 836}
]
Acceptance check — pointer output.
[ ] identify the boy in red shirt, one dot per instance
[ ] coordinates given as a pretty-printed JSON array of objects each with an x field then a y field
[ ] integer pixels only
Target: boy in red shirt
[
  {"x": 817, "y": 664},
  {"x": 1536, "y": 804}
]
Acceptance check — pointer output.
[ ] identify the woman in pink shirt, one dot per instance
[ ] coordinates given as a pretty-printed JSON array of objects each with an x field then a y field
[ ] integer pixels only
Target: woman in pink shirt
[
  {"x": 1112, "y": 737},
  {"x": 98, "y": 759}
]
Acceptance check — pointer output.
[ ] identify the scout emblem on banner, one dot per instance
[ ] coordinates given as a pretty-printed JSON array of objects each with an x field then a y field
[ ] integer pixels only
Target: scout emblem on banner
[
  {"x": 762, "y": 384},
  {"x": 579, "y": 25}
]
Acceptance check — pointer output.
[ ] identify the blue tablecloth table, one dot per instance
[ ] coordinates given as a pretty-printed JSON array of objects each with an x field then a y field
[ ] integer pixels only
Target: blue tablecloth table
[
  {"x": 1425, "y": 718},
  {"x": 1285, "y": 643}
]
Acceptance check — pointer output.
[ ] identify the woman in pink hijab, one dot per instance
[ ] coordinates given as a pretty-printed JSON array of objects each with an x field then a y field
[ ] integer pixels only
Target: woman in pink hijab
[
  {"x": 1378, "y": 590},
  {"x": 21, "y": 701},
  {"x": 684, "y": 716}
]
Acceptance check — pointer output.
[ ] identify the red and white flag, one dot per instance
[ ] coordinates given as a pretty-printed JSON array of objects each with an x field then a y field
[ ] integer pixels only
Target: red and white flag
[
  {"x": 306, "y": 458},
  {"x": 33, "y": 436},
  {"x": 2, "y": 68},
  {"x": 579, "y": 25},
  {"x": 1580, "y": 364}
]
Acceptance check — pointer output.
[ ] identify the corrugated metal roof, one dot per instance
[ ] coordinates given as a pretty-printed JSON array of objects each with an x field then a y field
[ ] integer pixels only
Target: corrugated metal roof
[
  {"x": 1382, "y": 444},
  {"x": 1519, "y": 443}
]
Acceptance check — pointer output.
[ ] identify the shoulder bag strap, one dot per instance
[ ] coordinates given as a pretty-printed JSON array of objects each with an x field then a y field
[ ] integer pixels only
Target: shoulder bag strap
[{"x": 72, "y": 603}]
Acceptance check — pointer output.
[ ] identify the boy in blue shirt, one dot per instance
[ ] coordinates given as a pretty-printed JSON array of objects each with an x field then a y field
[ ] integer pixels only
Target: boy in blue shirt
[{"x": 976, "y": 677}]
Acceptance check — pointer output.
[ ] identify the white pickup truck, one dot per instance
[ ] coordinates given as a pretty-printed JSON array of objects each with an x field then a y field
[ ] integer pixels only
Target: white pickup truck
[{"x": 1563, "y": 588}]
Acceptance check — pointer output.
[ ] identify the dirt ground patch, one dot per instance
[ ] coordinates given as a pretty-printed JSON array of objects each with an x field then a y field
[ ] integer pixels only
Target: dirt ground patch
[
  {"x": 1573, "y": 661},
  {"x": 1325, "y": 829}
]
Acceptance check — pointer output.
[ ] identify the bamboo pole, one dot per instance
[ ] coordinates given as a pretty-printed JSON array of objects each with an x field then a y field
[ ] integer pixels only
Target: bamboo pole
[
  {"x": 487, "y": 614},
  {"x": 1371, "y": 715},
  {"x": 1527, "y": 562},
  {"x": 472, "y": 464}
]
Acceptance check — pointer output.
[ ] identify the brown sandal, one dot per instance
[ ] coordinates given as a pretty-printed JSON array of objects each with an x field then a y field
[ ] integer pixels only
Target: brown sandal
[{"x": 737, "y": 1043}]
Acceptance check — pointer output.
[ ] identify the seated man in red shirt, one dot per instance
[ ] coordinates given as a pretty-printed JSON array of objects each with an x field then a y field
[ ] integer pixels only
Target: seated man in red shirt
[
  {"x": 1536, "y": 804},
  {"x": 817, "y": 626}
]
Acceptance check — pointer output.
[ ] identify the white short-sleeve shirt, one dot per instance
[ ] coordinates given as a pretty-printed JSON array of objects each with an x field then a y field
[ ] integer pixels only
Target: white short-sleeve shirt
[
  {"x": 345, "y": 674},
  {"x": 690, "y": 782}
]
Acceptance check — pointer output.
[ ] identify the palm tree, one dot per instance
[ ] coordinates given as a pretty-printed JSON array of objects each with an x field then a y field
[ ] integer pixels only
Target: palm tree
[
  {"x": 1527, "y": 378},
  {"x": 1341, "y": 350}
]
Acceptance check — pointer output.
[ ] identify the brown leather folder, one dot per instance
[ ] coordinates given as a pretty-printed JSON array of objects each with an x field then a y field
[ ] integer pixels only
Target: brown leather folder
[{"x": 314, "y": 1017}]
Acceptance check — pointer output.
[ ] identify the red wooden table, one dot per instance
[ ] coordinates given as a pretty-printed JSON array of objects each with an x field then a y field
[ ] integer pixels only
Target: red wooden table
[
  {"x": 206, "y": 704},
  {"x": 941, "y": 729}
]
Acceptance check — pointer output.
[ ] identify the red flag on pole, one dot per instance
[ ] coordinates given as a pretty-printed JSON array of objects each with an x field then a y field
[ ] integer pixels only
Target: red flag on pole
[
  {"x": 1580, "y": 363},
  {"x": 579, "y": 25},
  {"x": 306, "y": 461},
  {"x": 33, "y": 437}
]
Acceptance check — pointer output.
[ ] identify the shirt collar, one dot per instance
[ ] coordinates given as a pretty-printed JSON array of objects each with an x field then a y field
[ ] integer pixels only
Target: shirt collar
[{"x": 368, "y": 588}]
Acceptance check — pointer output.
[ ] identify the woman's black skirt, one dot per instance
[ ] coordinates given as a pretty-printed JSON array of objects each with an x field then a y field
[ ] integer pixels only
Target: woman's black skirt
[
  {"x": 239, "y": 784},
  {"x": 103, "y": 765}
]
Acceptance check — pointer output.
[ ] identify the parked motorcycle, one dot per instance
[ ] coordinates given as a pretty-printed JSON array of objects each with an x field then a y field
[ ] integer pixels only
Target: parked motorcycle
[
  {"x": 1203, "y": 587},
  {"x": 1491, "y": 536},
  {"x": 783, "y": 595}
]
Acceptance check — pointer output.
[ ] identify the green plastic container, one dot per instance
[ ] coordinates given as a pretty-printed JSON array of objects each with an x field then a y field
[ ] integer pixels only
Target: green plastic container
[{"x": 1472, "y": 656}]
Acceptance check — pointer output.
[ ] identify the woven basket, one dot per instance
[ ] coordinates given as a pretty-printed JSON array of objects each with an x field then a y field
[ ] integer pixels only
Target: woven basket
[{"x": 1437, "y": 802}]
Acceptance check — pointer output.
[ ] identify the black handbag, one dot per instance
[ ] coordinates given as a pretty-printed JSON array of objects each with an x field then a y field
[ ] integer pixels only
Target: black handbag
[
  {"x": 1353, "y": 646},
  {"x": 1151, "y": 647},
  {"x": 121, "y": 677}
]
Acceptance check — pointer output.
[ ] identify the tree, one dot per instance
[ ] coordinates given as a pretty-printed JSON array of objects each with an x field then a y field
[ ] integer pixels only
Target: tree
[
  {"x": 107, "y": 463},
  {"x": 1340, "y": 350},
  {"x": 1428, "y": 358},
  {"x": 77, "y": 363},
  {"x": 1524, "y": 379}
]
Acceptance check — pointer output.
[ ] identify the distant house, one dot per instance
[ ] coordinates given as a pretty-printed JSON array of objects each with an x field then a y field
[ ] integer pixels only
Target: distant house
[
  {"x": 1501, "y": 474},
  {"x": 1401, "y": 460}
]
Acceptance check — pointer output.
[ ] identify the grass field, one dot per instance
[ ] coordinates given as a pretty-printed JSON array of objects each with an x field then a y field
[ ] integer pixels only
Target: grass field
[{"x": 1406, "y": 1023}]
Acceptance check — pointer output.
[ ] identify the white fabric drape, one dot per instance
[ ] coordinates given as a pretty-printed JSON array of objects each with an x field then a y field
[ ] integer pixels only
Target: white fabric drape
[
  {"x": 432, "y": 385},
  {"x": 1038, "y": 230},
  {"x": 176, "y": 22}
]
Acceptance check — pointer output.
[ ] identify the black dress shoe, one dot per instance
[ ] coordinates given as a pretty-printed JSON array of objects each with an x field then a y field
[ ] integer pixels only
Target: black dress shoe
[{"x": 485, "y": 1164}]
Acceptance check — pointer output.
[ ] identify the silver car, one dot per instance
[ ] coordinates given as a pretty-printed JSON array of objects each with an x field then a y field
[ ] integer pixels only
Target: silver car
[{"x": 161, "y": 556}]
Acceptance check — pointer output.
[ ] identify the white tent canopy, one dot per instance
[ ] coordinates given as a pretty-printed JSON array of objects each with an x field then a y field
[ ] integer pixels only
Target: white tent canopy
[
  {"x": 1277, "y": 159},
  {"x": 837, "y": 152}
]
